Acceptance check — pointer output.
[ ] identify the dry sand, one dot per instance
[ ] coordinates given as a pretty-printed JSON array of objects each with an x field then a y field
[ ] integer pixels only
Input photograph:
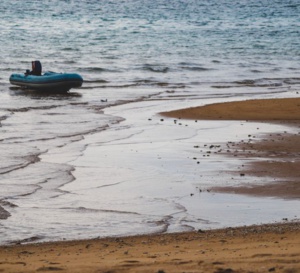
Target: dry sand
[
  {"x": 266, "y": 109},
  {"x": 265, "y": 248}
]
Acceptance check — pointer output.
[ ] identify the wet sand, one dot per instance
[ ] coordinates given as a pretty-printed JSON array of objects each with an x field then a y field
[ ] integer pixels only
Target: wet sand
[
  {"x": 280, "y": 152},
  {"x": 265, "y": 248}
]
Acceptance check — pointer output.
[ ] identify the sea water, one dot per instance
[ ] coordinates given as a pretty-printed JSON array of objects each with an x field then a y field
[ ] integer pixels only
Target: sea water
[{"x": 98, "y": 161}]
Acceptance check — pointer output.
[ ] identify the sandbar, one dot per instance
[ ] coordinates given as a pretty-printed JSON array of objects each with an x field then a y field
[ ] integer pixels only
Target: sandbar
[
  {"x": 281, "y": 152},
  {"x": 260, "y": 109}
]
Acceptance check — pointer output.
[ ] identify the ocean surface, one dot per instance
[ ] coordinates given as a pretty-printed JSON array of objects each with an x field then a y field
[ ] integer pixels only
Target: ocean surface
[{"x": 99, "y": 161}]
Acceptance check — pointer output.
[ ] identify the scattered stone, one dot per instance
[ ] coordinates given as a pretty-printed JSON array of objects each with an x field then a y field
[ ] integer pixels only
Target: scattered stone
[
  {"x": 217, "y": 263},
  {"x": 222, "y": 270},
  {"x": 50, "y": 268},
  {"x": 26, "y": 252}
]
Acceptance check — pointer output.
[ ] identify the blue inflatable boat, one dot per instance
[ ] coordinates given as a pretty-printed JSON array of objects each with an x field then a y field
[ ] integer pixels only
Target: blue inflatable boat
[{"x": 49, "y": 81}]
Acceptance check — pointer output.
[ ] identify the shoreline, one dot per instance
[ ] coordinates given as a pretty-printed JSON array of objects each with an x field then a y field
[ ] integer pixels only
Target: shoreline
[{"x": 260, "y": 248}]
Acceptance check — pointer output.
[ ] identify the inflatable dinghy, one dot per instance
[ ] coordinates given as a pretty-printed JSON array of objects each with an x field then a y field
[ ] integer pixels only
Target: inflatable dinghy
[{"x": 49, "y": 81}]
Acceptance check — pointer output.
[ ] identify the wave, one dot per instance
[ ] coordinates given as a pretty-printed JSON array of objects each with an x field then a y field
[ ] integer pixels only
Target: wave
[
  {"x": 148, "y": 82},
  {"x": 26, "y": 109},
  {"x": 4, "y": 214},
  {"x": 70, "y": 49},
  {"x": 193, "y": 67},
  {"x": 267, "y": 82},
  {"x": 134, "y": 83},
  {"x": 9, "y": 69},
  {"x": 23, "y": 162},
  {"x": 155, "y": 68},
  {"x": 263, "y": 82},
  {"x": 292, "y": 81},
  {"x": 92, "y": 69},
  {"x": 70, "y": 62},
  {"x": 27, "y": 240},
  {"x": 256, "y": 71},
  {"x": 245, "y": 82},
  {"x": 96, "y": 69},
  {"x": 7, "y": 204},
  {"x": 85, "y": 210},
  {"x": 110, "y": 86},
  {"x": 2, "y": 118},
  {"x": 95, "y": 81}
]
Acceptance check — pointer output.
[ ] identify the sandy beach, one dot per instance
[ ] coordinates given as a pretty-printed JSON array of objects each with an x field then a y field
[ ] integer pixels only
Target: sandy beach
[{"x": 264, "y": 248}]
